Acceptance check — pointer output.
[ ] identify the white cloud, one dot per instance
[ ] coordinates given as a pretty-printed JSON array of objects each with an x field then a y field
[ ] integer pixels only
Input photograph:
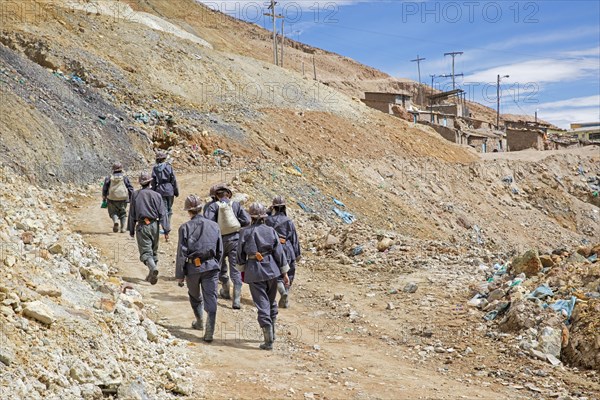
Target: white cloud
[
  {"x": 566, "y": 116},
  {"x": 576, "y": 102},
  {"x": 541, "y": 71}
]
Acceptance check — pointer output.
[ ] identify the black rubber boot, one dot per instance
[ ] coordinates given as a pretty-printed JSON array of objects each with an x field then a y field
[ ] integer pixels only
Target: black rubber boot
[
  {"x": 153, "y": 271},
  {"x": 237, "y": 297},
  {"x": 224, "y": 292},
  {"x": 198, "y": 324},
  {"x": 283, "y": 301},
  {"x": 274, "y": 327},
  {"x": 210, "y": 327},
  {"x": 268, "y": 335}
]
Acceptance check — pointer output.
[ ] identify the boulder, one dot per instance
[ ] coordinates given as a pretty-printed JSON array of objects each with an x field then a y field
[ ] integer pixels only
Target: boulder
[
  {"x": 583, "y": 346},
  {"x": 384, "y": 244},
  {"x": 7, "y": 351},
  {"x": 330, "y": 242},
  {"x": 528, "y": 263},
  {"x": 80, "y": 372},
  {"x": 27, "y": 237},
  {"x": 521, "y": 315},
  {"x": 550, "y": 340},
  {"x": 56, "y": 248},
  {"x": 48, "y": 290},
  {"x": 547, "y": 261},
  {"x": 410, "y": 287},
  {"x": 40, "y": 312},
  {"x": 10, "y": 261}
]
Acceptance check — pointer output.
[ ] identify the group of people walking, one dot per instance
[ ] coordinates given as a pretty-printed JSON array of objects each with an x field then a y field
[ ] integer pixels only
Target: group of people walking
[{"x": 221, "y": 242}]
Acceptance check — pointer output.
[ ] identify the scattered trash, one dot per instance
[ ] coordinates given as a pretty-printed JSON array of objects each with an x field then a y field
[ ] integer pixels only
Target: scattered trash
[
  {"x": 304, "y": 206},
  {"x": 541, "y": 292},
  {"x": 515, "y": 190},
  {"x": 297, "y": 168},
  {"x": 344, "y": 215},
  {"x": 357, "y": 250},
  {"x": 491, "y": 315},
  {"x": 565, "y": 306},
  {"x": 593, "y": 258},
  {"x": 339, "y": 203},
  {"x": 507, "y": 179}
]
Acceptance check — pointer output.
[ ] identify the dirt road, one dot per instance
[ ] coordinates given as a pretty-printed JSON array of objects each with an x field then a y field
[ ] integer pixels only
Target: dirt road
[{"x": 315, "y": 354}]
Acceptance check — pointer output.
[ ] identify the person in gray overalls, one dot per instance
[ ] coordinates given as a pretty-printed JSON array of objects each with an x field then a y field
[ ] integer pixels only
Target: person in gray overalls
[
  {"x": 117, "y": 191},
  {"x": 261, "y": 258},
  {"x": 199, "y": 253},
  {"x": 146, "y": 211},
  {"x": 288, "y": 237},
  {"x": 218, "y": 211},
  {"x": 164, "y": 181}
]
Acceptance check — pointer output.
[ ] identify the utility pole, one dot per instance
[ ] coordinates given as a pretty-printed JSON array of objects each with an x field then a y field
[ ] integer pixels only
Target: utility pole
[
  {"x": 453, "y": 54},
  {"x": 282, "y": 39},
  {"x": 498, "y": 99},
  {"x": 418, "y": 61},
  {"x": 274, "y": 18},
  {"x": 432, "y": 89}
]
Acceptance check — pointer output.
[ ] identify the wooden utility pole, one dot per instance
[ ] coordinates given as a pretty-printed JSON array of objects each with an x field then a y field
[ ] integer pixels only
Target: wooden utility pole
[
  {"x": 274, "y": 18},
  {"x": 498, "y": 99},
  {"x": 418, "y": 61},
  {"x": 282, "y": 39},
  {"x": 453, "y": 54}
]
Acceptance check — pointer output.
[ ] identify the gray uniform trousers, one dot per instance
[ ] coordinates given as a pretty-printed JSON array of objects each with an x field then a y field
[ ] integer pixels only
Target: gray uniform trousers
[
  {"x": 168, "y": 201},
  {"x": 118, "y": 208},
  {"x": 147, "y": 240},
  {"x": 263, "y": 295},
  {"x": 207, "y": 281},
  {"x": 230, "y": 246}
]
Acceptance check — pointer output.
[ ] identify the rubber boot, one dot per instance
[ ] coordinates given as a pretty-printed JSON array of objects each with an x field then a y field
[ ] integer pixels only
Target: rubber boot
[
  {"x": 153, "y": 271},
  {"x": 268, "y": 335},
  {"x": 123, "y": 224},
  {"x": 237, "y": 297},
  {"x": 198, "y": 324},
  {"x": 283, "y": 301},
  {"x": 274, "y": 325},
  {"x": 224, "y": 292},
  {"x": 210, "y": 327},
  {"x": 115, "y": 219}
]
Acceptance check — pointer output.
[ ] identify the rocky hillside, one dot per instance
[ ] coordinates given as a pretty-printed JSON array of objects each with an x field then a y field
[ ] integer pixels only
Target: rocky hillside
[{"x": 71, "y": 329}]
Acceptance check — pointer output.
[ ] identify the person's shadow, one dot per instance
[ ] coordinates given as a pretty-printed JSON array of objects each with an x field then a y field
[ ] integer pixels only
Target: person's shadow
[{"x": 232, "y": 340}]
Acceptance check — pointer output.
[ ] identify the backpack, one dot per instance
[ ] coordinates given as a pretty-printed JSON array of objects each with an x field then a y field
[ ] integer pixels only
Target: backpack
[
  {"x": 228, "y": 222},
  {"x": 117, "y": 191}
]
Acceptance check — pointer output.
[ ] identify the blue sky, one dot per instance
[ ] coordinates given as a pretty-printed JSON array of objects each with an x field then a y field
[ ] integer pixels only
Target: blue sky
[{"x": 550, "y": 49}]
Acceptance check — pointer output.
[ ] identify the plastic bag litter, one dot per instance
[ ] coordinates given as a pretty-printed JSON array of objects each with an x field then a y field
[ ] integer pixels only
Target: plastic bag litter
[
  {"x": 344, "y": 215},
  {"x": 541, "y": 292},
  {"x": 339, "y": 203},
  {"x": 565, "y": 306},
  {"x": 304, "y": 206}
]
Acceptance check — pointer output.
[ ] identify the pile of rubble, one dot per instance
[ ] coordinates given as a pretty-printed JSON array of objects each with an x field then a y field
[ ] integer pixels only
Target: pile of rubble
[
  {"x": 550, "y": 302},
  {"x": 69, "y": 328}
]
